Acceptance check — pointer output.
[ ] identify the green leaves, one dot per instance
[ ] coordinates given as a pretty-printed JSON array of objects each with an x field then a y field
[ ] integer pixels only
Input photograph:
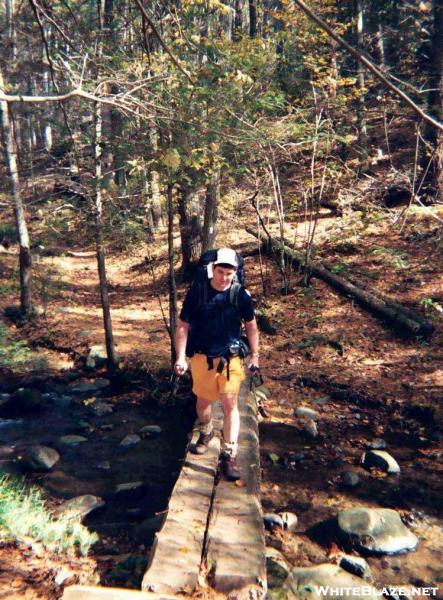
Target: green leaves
[
  {"x": 273, "y": 457},
  {"x": 171, "y": 159}
]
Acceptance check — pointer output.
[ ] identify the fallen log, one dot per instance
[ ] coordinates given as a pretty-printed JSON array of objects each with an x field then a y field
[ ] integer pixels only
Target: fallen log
[{"x": 395, "y": 314}]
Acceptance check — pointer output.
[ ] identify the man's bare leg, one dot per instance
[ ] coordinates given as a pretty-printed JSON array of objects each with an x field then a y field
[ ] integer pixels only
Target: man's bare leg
[
  {"x": 204, "y": 414},
  {"x": 231, "y": 422},
  {"x": 231, "y": 429}
]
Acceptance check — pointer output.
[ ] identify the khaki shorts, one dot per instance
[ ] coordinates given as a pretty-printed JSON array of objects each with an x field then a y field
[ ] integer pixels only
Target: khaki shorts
[{"x": 208, "y": 384}]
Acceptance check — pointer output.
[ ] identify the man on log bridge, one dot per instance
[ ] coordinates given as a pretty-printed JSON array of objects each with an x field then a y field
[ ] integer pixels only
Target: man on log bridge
[{"x": 209, "y": 333}]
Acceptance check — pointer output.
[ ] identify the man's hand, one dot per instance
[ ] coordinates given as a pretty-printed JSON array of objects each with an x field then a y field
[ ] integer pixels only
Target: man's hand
[
  {"x": 181, "y": 366},
  {"x": 253, "y": 366}
]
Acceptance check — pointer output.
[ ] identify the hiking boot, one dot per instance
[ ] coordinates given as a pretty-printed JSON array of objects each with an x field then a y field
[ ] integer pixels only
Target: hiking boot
[
  {"x": 202, "y": 443},
  {"x": 229, "y": 468}
]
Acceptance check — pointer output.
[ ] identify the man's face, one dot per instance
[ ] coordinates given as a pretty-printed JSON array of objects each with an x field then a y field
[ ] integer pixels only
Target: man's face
[{"x": 222, "y": 277}]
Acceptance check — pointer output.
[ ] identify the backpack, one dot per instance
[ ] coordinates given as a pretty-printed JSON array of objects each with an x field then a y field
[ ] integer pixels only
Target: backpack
[{"x": 204, "y": 273}]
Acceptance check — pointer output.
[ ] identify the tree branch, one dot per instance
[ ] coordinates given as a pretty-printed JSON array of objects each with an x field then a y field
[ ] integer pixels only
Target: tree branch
[
  {"x": 77, "y": 92},
  {"x": 160, "y": 39},
  {"x": 368, "y": 64}
]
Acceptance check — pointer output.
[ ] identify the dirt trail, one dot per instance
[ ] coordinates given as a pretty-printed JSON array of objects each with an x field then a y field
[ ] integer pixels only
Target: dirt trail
[{"x": 326, "y": 353}]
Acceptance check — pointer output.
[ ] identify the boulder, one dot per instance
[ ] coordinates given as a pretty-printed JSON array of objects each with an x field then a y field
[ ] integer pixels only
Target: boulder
[
  {"x": 265, "y": 325},
  {"x": 130, "y": 440},
  {"x": 97, "y": 357},
  {"x": 377, "y": 444},
  {"x": 273, "y": 521},
  {"x": 79, "y": 507},
  {"x": 128, "y": 487},
  {"x": 86, "y": 387},
  {"x": 356, "y": 565},
  {"x": 63, "y": 485},
  {"x": 23, "y": 401},
  {"x": 40, "y": 458},
  {"x": 349, "y": 479},
  {"x": 263, "y": 391},
  {"x": 101, "y": 408},
  {"x": 133, "y": 490},
  {"x": 304, "y": 584},
  {"x": 65, "y": 577},
  {"x": 145, "y": 530},
  {"x": 311, "y": 428},
  {"x": 150, "y": 429},
  {"x": 290, "y": 520},
  {"x": 61, "y": 400},
  {"x": 294, "y": 457},
  {"x": 322, "y": 400},
  {"x": 72, "y": 440},
  {"x": 4, "y": 398},
  {"x": 277, "y": 568},
  {"x": 376, "y": 530},
  {"x": 104, "y": 465},
  {"x": 306, "y": 413},
  {"x": 382, "y": 460}
]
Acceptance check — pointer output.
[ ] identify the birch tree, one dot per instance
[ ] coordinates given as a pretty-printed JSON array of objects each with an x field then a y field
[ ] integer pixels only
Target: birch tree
[
  {"x": 98, "y": 209},
  {"x": 436, "y": 100},
  {"x": 25, "y": 260}
]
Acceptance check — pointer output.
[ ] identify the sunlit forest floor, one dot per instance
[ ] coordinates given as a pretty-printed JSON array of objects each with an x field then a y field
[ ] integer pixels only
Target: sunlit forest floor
[{"x": 321, "y": 350}]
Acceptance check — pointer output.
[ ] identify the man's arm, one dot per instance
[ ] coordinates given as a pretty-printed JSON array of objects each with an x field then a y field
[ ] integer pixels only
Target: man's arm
[
  {"x": 181, "y": 337},
  {"x": 252, "y": 334}
]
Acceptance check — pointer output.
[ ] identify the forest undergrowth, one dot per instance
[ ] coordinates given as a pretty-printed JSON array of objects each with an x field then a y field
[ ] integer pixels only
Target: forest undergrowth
[{"x": 318, "y": 349}]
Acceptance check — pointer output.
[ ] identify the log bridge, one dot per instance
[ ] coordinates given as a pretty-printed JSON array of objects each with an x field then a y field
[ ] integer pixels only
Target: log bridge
[{"x": 213, "y": 534}]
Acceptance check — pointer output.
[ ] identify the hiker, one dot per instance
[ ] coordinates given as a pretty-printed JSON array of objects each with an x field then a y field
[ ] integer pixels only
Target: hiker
[{"x": 209, "y": 333}]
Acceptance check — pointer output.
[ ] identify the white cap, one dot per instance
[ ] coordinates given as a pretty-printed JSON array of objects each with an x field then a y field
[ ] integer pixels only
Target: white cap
[{"x": 226, "y": 256}]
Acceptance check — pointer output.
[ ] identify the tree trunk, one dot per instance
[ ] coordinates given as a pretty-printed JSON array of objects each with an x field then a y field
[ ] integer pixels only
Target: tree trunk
[
  {"x": 20, "y": 220},
  {"x": 252, "y": 18},
  {"x": 11, "y": 31},
  {"x": 227, "y": 22},
  {"x": 100, "y": 248},
  {"x": 117, "y": 142},
  {"x": 149, "y": 221},
  {"x": 434, "y": 135},
  {"x": 156, "y": 203},
  {"x": 99, "y": 242},
  {"x": 212, "y": 200},
  {"x": 361, "y": 122},
  {"x": 171, "y": 277},
  {"x": 112, "y": 40},
  {"x": 399, "y": 316},
  {"x": 393, "y": 41},
  {"x": 238, "y": 19},
  {"x": 46, "y": 85},
  {"x": 190, "y": 229},
  {"x": 380, "y": 45}
]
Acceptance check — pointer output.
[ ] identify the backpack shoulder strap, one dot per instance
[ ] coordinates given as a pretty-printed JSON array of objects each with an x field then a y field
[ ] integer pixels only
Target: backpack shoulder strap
[
  {"x": 201, "y": 292},
  {"x": 234, "y": 293}
]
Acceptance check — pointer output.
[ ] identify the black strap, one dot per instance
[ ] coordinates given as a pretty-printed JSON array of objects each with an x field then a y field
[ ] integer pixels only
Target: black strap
[
  {"x": 224, "y": 362},
  {"x": 203, "y": 293},
  {"x": 234, "y": 293},
  {"x": 232, "y": 297}
]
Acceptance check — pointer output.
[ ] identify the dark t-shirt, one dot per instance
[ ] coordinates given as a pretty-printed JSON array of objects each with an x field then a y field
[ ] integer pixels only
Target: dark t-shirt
[{"x": 215, "y": 324}]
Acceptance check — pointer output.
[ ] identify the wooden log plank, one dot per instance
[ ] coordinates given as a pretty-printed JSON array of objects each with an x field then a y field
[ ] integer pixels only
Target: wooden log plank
[
  {"x": 175, "y": 558},
  {"x": 235, "y": 553},
  {"x": 92, "y": 592}
]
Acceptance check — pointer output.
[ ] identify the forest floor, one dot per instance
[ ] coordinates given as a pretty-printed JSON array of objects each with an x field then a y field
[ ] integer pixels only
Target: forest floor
[{"x": 323, "y": 351}]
